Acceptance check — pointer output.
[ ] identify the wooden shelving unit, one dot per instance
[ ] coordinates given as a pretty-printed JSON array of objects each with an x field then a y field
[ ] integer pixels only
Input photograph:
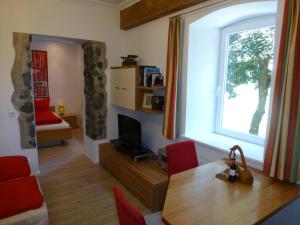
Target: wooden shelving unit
[
  {"x": 141, "y": 90},
  {"x": 126, "y": 91},
  {"x": 124, "y": 86}
]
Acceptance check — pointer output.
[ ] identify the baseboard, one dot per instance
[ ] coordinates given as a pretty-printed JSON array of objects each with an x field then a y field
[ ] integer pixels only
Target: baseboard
[{"x": 91, "y": 159}]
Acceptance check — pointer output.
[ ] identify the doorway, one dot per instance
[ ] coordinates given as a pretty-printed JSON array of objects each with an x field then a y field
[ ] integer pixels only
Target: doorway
[{"x": 94, "y": 101}]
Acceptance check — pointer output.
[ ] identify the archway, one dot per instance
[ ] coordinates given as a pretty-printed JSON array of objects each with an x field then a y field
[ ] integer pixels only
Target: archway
[{"x": 95, "y": 63}]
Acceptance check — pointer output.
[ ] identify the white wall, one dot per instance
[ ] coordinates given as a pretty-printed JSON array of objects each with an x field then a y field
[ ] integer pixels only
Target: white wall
[
  {"x": 65, "y": 77},
  {"x": 149, "y": 42},
  {"x": 203, "y": 59},
  {"x": 72, "y": 19}
]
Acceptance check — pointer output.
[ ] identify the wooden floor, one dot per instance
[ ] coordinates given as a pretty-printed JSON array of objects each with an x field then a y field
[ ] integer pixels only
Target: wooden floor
[{"x": 76, "y": 190}]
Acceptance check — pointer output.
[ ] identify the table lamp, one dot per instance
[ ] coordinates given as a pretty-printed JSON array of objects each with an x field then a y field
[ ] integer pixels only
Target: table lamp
[{"x": 61, "y": 110}]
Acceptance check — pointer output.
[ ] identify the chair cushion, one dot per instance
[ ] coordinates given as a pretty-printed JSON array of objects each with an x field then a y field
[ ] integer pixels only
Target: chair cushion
[
  {"x": 19, "y": 195},
  {"x": 13, "y": 167}
]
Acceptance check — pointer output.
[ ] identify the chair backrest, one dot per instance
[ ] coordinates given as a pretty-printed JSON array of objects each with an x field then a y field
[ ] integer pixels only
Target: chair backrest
[
  {"x": 128, "y": 214},
  {"x": 181, "y": 156}
]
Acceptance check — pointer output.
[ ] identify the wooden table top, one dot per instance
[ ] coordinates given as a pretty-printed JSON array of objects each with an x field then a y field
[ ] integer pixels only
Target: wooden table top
[{"x": 196, "y": 196}]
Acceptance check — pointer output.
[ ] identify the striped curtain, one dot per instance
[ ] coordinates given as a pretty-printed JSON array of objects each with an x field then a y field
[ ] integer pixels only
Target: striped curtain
[
  {"x": 173, "y": 79},
  {"x": 283, "y": 145}
]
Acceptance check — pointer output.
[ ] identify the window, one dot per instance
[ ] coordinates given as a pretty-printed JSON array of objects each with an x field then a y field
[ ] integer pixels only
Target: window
[
  {"x": 246, "y": 63},
  {"x": 217, "y": 106}
]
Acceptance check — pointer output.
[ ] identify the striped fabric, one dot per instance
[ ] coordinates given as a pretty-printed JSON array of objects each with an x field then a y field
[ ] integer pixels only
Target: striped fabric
[
  {"x": 282, "y": 154},
  {"x": 173, "y": 77}
]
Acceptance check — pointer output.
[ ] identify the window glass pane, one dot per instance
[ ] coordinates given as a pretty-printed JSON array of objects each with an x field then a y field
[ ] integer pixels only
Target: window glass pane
[{"x": 248, "y": 69}]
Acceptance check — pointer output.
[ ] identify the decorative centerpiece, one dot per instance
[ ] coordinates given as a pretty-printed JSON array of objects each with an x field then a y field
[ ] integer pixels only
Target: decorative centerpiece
[
  {"x": 157, "y": 102},
  {"x": 236, "y": 171},
  {"x": 130, "y": 60}
]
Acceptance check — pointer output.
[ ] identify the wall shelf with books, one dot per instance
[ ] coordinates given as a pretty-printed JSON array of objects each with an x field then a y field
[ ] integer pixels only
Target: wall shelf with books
[
  {"x": 150, "y": 90},
  {"x": 138, "y": 88}
]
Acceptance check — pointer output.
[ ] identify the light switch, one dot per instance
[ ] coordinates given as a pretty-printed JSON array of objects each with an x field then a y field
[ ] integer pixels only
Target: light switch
[{"x": 11, "y": 114}]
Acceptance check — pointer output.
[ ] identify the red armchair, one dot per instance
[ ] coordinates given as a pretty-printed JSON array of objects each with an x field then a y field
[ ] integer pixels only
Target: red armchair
[{"x": 19, "y": 192}]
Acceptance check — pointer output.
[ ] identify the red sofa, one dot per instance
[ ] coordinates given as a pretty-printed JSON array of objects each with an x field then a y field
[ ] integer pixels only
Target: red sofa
[{"x": 19, "y": 192}]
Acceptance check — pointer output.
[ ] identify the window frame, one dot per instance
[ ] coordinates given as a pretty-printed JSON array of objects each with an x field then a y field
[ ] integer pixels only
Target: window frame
[{"x": 244, "y": 25}]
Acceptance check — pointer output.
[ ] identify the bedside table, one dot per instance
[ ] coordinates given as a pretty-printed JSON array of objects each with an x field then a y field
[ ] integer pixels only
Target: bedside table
[{"x": 71, "y": 119}]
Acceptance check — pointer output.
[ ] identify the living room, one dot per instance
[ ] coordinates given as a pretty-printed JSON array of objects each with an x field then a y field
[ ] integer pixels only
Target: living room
[{"x": 91, "y": 20}]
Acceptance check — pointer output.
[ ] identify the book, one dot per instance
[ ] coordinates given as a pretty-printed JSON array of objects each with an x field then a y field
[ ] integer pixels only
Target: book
[
  {"x": 147, "y": 77},
  {"x": 142, "y": 72}
]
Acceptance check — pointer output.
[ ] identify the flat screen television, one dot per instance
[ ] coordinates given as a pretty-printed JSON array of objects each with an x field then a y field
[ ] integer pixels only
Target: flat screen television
[{"x": 130, "y": 137}]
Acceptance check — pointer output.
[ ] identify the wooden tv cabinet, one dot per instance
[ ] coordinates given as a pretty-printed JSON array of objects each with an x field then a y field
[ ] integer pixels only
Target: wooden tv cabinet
[{"x": 145, "y": 179}]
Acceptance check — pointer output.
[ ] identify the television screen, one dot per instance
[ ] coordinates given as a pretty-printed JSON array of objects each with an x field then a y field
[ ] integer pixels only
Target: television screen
[{"x": 129, "y": 132}]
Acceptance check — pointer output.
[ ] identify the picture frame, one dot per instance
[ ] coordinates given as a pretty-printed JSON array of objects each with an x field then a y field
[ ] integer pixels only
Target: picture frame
[
  {"x": 157, "y": 80},
  {"x": 147, "y": 100},
  {"x": 40, "y": 73}
]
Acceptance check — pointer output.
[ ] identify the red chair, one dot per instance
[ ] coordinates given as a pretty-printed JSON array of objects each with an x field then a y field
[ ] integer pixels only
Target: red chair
[
  {"x": 181, "y": 156},
  {"x": 129, "y": 215}
]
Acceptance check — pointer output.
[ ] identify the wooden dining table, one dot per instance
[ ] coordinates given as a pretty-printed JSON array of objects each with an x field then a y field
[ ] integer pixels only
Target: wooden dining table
[{"x": 196, "y": 196}]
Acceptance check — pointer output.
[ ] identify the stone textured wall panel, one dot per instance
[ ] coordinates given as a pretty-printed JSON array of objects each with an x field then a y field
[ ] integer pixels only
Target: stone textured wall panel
[
  {"x": 22, "y": 98},
  {"x": 95, "y": 63}
]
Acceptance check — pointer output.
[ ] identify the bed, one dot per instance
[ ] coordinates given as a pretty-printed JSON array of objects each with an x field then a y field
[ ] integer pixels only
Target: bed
[{"x": 52, "y": 132}]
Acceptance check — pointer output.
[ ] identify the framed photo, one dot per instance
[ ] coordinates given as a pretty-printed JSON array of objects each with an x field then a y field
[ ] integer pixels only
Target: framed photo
[
  {"x": 147, "y": 100},
  {"x": 157, "y": 80}
]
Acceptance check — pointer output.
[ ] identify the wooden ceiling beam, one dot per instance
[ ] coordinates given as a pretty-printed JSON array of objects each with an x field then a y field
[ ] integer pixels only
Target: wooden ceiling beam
[{"x": 147, "y": 10}]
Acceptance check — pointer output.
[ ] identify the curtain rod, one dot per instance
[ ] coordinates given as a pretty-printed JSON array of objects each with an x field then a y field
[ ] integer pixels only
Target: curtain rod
[{"x": 197, "y": 9}]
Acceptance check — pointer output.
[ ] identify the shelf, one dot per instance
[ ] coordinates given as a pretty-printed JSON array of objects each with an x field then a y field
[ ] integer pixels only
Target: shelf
[
  {"x": 122, "y": 67},
  {"x": 150, "y": 111},
  {"x": 154, "y": 88},
  {"x": 128, "y": 94}
]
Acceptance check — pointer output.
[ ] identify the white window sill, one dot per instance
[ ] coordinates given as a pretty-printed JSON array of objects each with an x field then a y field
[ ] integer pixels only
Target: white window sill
[{"x": 254, "y": 153}]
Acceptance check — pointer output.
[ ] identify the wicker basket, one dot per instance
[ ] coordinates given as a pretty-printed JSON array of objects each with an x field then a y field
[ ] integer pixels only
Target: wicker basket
[{"x": 244, "y": 174}]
